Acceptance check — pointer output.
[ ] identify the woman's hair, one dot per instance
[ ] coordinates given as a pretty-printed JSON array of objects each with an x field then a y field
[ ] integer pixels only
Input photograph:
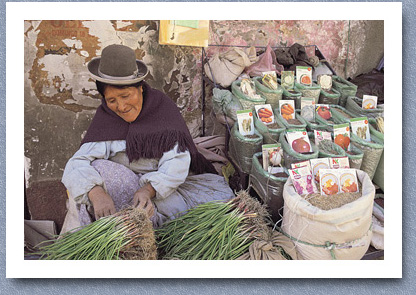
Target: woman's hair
[{"x": 101, "y": 86}]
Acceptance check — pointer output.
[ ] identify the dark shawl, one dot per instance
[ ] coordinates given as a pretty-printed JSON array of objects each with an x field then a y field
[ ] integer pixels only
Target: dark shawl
[{"x": 156, "y": 130}]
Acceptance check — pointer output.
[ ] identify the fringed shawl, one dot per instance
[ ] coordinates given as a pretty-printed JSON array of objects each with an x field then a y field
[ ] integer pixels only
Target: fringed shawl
[{"x": 156, "y": 130}]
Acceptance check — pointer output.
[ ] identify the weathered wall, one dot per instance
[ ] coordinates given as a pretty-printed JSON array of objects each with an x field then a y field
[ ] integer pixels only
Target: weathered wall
[{"x": 60, "y": 98}]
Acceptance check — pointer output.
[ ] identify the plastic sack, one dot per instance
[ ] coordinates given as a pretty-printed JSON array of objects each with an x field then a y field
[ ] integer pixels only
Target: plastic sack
[
  {"x": 283, "y": 122},
  {"x": 268, "y": 187},
  {"x": 242, "y": 148},
  {"x": 355, "y": 157},
  {"x": 272, "y": 96},
  {"x": 341, "y": 233},
  {"x": 354, "y": 106},
  {"x": 224, "y": 68},
  {"x": 379, "y": 174},
  {"x": 247, "y": 102},
  {"x": 224, "y": 102},
  {"x": 344, "y": 87},
  {"x": 266, "y": 63},
  {"x": 270, "y": 135},
  {"x": 291, "y": 157},
  {"x": 372, "y": 152},
  {"x": 312, "y": 91},
  {"x": 326, "y": 97}
]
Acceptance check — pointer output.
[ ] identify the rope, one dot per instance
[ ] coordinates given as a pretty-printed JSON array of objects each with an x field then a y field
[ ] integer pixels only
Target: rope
[{"x": 331, "y": 246}]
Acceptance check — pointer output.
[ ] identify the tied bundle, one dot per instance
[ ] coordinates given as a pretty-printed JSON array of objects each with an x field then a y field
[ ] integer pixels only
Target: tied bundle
[
  {"x": 128, "y": 234},
  {"x": 214, "y": 230}
]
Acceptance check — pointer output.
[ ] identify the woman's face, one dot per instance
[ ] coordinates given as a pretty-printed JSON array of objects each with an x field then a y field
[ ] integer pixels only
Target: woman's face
[{"x": 125, "y": 102}]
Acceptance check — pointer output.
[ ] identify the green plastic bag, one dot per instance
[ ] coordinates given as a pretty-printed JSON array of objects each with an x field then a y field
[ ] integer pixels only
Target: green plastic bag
[
  {"x": 372, "y": 152},
  {"x": 312, "y": 91},
  {"x": 270, "y": 135},
  {"x": 272, "y": 96},
  {"x": 286, "y": 124},
  {"x": 354, "y": 106},
  {"x": 242, "y": 148},
  {"x": 341, "y": 114},
  {"x": 356, "y": 158},
  {"x": 224, "y": 102},
  {"x": 290, "y": 156},
  {"x": 248, "y": 103},
  {"x": 268, "y": 186},
  {"x": 379, "y": 174},
  {"x": 329, "y": 98},
  {"x": 311, "y": 126},
  {"x": 339, "y": 151},
  {"x": 294, "y": 94},
  {"x": 345, "y": 88}
]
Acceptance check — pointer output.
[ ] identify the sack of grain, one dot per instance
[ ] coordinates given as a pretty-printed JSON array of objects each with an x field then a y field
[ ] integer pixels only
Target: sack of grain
[{"x": 340, "y": 233}]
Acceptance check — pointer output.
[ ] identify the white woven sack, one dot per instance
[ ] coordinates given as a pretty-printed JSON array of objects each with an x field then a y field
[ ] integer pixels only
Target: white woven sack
[
  {"x": 226, "y": 67},
  {"x": 346, "y": 230}
]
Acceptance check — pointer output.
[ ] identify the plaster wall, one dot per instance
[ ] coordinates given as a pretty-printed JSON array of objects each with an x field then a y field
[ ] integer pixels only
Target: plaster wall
[{"x": 60, "y": 98}]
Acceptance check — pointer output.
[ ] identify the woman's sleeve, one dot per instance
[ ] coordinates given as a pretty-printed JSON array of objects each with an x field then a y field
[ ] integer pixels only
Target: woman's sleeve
[
  {"x": 172, "y": 171},
  {"x": 79, "y": 176}
]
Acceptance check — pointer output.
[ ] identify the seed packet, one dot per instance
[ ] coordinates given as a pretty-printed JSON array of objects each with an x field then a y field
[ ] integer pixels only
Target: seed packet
[
  {"x": 302, "y": 180},
  {"x": 304, "y": 75},
  {"x": 321, "y": 135},
  {"x": 342, "y": 136},
  {"x": 316, "y": 165},
  {"x": 323, "y": 111},
  {"x": 369, "y": 102},
  {"x": 248, "y": 87},
  {"x": 272, "y": 157},
  {"x": 299, "y": 141},
  {"x": 288, "y": 79},
  {"x": 245, "y": 122},
  {"x": 307, "y": 108},
  {"x": 287, "y": 109},
  {"x": 328, "y": 182},
  {"x": 265, "y": 113},
  {"x": 339, "y": 163},
  {"x": 301, "y": 164},
  {"x": 348, "y": 180},
  {"x": 359, "y": 126},
  {"x": 325, "y": 81}
]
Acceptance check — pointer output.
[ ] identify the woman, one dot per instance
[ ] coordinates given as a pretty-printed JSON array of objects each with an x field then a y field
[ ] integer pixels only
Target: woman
[{"x": 138, "y": 150}]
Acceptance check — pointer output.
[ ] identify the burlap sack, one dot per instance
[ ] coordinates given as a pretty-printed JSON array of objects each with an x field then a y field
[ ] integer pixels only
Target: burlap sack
[{"x": 341, "y": 233}]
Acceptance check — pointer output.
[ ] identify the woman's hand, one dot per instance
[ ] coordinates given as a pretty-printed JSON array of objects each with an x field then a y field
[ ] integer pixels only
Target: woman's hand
[
  {"x": 143, "y": 199},
  {"x": 102, "y": 202}
]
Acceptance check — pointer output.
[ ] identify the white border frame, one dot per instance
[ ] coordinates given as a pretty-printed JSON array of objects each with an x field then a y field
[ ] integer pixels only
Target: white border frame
[{"x": 17, "y": 267}]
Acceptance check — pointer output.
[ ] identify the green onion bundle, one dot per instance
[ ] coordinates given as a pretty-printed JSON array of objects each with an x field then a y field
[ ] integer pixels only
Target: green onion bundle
[
  {"x": 213, "y": 231},
  {"x": 128, "y": 234}
]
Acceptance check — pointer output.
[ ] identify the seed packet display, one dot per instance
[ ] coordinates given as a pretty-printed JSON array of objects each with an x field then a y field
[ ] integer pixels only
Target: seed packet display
[
  {"x": 307, "y": 108},
  {"x": 316, "y": 165},
  {"x": 328, "y": 182},
  {"x": 287, "y": 109},
  {"x": 359, "y": 126},
  {"x": 369, "y": 102},
  {"x": 302, "y": 181},
  {"x": 321, "y": 135},
  {"x": 342, "y": 136},
  {"x": 245, "y": 122},
  {"x": 301, "y": 164},
  {"x": 348, "y": 180},
  {"x": 325, "y": 81},
  {"x": 323, "y": 111},
  {"x": 288, "y": 79},
  {"x": 304, "y": 75},
  {"x": 265, "y": 113},
  {"x": 272, "y": 157},
  {"x": 299, "y": 141},
  {"x": 339, "y": 163}
]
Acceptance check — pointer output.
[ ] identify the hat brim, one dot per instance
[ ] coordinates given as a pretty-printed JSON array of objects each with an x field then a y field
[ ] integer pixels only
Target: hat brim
[{"x": 93, "y": 70}]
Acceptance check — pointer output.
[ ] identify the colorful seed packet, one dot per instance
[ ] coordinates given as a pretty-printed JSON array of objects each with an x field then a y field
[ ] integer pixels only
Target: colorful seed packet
[{"x": 302, "y": 180}]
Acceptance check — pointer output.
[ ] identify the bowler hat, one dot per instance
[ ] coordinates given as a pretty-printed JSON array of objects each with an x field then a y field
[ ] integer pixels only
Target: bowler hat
[{"x": 117, "y": 66}]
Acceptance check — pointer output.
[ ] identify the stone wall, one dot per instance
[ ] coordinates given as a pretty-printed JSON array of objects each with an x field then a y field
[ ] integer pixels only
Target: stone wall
[{"x": 60, "y": 98}]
